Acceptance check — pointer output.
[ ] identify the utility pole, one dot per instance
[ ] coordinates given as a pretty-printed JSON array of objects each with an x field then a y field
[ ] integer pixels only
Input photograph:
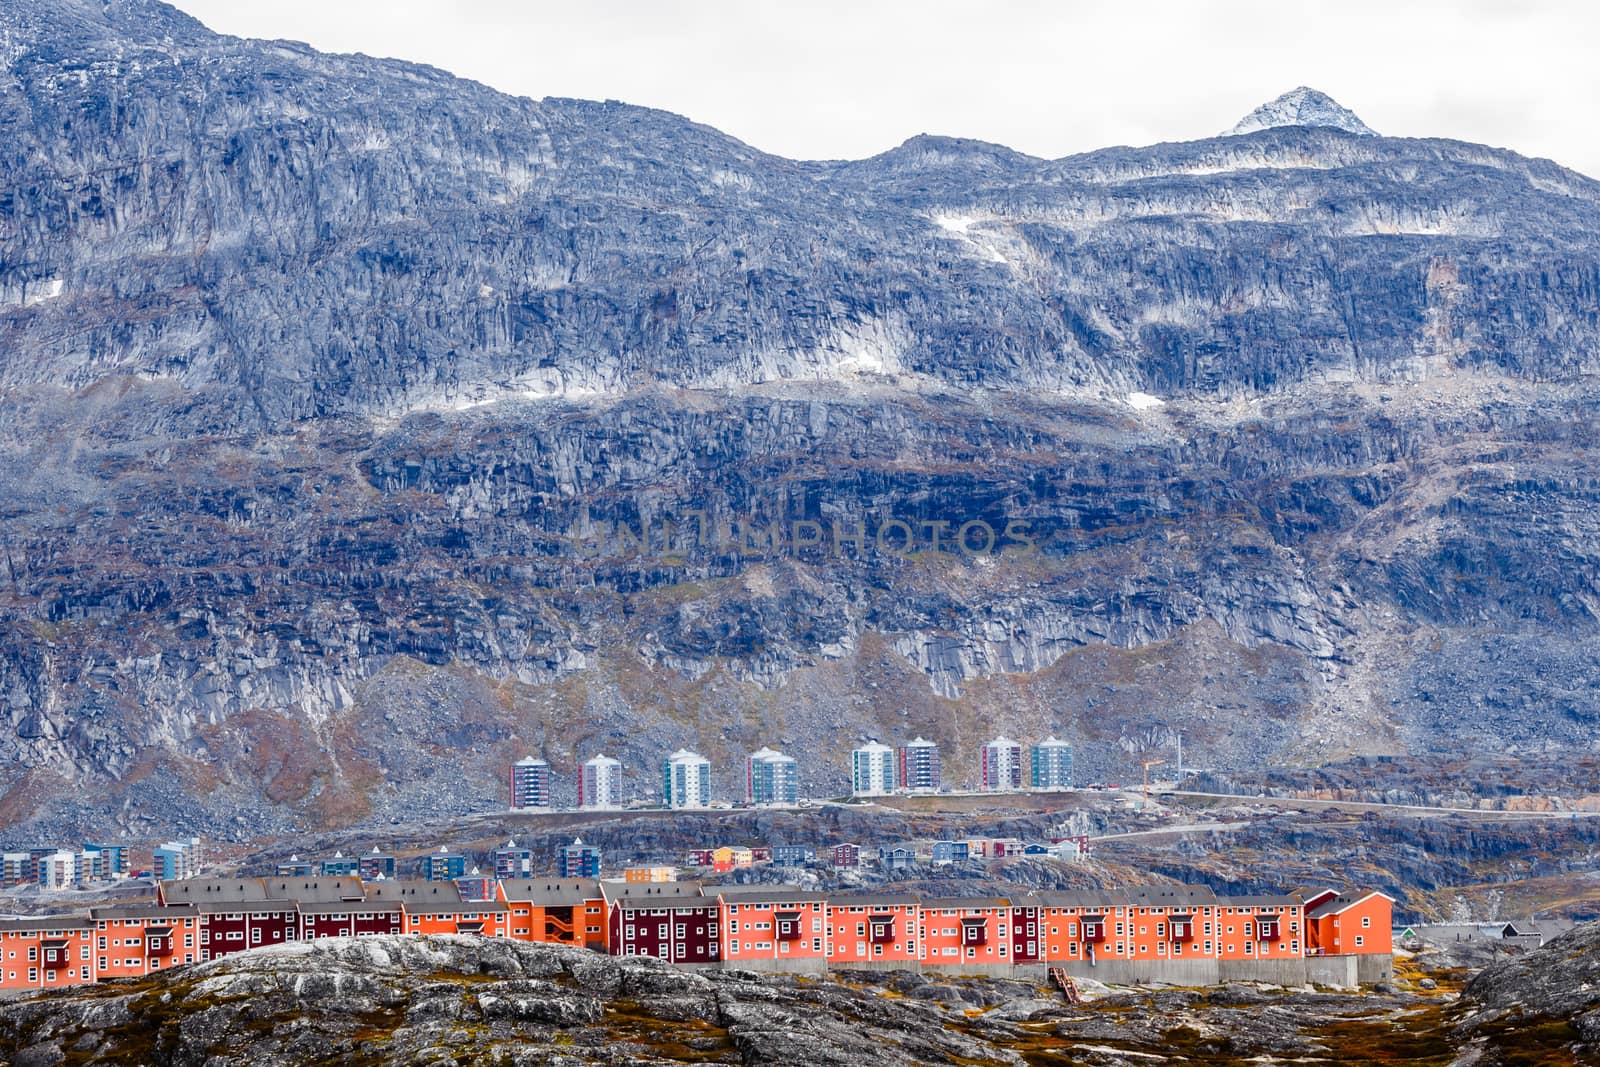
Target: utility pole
[{"x": 1180, "y": 757}]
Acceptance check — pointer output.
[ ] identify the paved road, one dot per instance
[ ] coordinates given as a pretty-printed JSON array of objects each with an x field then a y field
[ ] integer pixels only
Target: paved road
[
  {"x": 1362, "y": 806},
  {"x": 1187, "y": 828}
]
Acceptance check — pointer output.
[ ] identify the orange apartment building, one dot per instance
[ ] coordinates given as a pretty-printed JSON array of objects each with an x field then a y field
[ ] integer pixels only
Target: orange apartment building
[
  {"x": 872, "y": 929},
  {"x": 437, "y": 908},
  {"x": 46, "y": 953},
  {"x": 570, "y": 911},
  {"x": 773, "y": 927},
  {"x": 1267, "y": 927},
  {"x": 969, "y": 933},
  {"x": 137, "y": 939},
  {"x": 1349, "y": 924}
]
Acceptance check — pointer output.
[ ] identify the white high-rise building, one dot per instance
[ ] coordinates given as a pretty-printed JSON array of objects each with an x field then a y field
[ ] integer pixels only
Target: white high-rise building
[
  {"x": 770, "y": 777},
  {"x": 872, "y": 770},
  {"x": 1052, "y": 765},
  {"x": 600, "y": 783},
  {"x": 686, "y": 780},
  {"x": 1000, "y": 766}
]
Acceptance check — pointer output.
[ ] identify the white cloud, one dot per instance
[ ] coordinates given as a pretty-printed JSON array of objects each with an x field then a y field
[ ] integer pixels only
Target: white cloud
[{"x": 849, "y": 78}]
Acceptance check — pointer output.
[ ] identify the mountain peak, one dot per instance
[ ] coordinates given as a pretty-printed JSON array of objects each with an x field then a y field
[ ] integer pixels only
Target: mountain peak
[{"x": 1302, "y": 107}]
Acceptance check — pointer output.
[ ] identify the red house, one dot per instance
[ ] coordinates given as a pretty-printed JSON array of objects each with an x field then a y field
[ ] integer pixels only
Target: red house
[
  {"x": 350, "y": 919},
  {"x": 668, "y": 920},
  {"x": 847, "y": 855}
]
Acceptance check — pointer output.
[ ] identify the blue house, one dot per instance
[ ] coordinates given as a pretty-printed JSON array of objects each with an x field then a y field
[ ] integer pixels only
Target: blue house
[
  {"x": 897, "y": 857},
  {"x": 949, "y": 851},
  {"x": 790, "y": 855}
]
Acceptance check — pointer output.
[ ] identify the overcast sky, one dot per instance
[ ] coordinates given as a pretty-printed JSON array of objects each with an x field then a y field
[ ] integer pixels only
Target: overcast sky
[{"x": 850, "y": 78}]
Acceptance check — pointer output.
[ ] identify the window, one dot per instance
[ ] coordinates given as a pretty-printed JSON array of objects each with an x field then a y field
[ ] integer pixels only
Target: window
[
  {"x": 1359, "y": 940},
  {"x": 1366, "y": 923}
]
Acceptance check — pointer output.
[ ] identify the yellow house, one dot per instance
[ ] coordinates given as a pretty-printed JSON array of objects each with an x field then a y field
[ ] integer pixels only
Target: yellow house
[{"x": 727, "y": 858}]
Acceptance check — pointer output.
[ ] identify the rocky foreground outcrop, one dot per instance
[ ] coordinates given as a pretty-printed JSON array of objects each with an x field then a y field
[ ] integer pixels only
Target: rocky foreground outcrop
[
  {"x": 463, "y": 1000},
  {"x": 1547, "y": 999}
]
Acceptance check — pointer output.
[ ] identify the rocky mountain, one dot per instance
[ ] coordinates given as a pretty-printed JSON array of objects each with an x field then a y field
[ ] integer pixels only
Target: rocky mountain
[
  {"x": 367, "y": 429},
  {"x": 1302, "y": 107}
]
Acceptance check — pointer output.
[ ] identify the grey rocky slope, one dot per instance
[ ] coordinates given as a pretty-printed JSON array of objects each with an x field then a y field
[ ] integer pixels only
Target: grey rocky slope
[{"x": 328, "y": 379}]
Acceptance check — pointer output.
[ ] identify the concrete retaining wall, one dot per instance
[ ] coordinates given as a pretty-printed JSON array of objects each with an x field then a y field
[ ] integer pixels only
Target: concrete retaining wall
[
  {"x": 1344, "y": 972},
  {"x": 1127, "y": 972},
  {"x": 781, "y": 965}
]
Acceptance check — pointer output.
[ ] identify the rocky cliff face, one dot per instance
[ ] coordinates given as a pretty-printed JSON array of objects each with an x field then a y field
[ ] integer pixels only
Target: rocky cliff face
[{"x": 367, "y": 429}]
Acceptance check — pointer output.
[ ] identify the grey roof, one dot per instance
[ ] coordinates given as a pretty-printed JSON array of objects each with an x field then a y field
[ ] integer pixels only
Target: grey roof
[
  {"x": 777, "y": 894},
  {"x": 1078, "y": 898},
  {"x": 47, "y": 923},
  {"x": 1335, "y": 905},
  {"x": 247, "y": 907},
  {"x": 550, "y": 892},
  {"x": 150, "y": 910},
  {"x": 352, "y": 907},
  {"x": 665, "y": 903},
  {"x": 974, "y": 902},
  {"x": 196, "y": 890},
  {"x": 1169, "y": 896},
  {"x": 873, "y": 900},
  {"x": 314, "y": 890},
  {"x": 414, "y": 892},
  {"x": 615, "y": 890},
  {"x": 1259, "y": 902}
]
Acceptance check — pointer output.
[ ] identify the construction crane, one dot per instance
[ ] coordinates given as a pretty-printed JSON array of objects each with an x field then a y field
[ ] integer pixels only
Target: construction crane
[{"x": 1147, "y": 765}]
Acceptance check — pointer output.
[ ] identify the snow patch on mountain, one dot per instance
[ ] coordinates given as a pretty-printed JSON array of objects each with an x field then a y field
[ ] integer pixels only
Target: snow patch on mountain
[{"x": 1144, "y": 401}]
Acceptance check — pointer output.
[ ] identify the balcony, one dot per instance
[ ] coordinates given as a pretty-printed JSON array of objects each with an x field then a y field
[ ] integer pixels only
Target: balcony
[
  {"x": 1182, "y": 928},
  {"x": 1267, "y": 928},
  {"x": 974, "y": 931},
  {"x": 158, "y": 941},
  {"x": 881, "y": 929},
  {"x": 1094, "y": 928},
  {"x": 788, "y": 925}
]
